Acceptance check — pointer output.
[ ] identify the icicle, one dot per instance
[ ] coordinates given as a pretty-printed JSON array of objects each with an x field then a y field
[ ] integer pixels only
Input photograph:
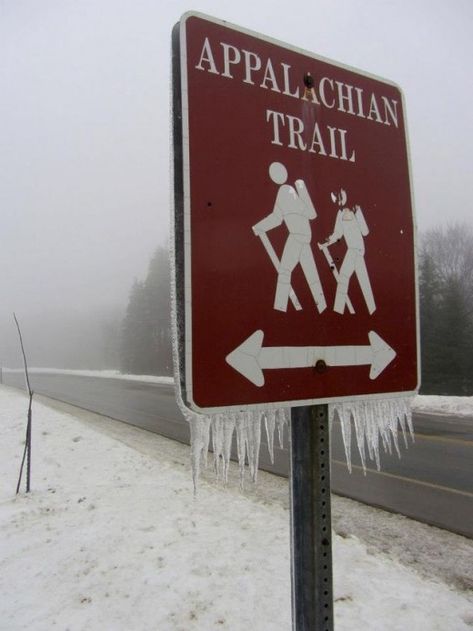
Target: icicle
[
  {"x": 367, "y": 428},
  {"x": 393, "y": 420},
  {"x": 205, "y": 439},
  {"x": 358, "y": 421},
  {"x": 345, "y": 423},
  {"x": 270, "y": 424},
  {"x": 374, "y": 421},
  {"x": 250, "y": 443},
  {"x": 228, "y": 429},
  {"x": 197, "y": 427},
  {"x": 385, "y": 417},
  {"x": 240, "y": 424},
  {"x": 255, "y": 439},
  {"x": 407, "y": 410},
  {"x": 217, "y": 443},
  {"x": 372, "y": 433},
  {"x": 282, "y": 419},
  {"x": 383, "y": 421},
  {"x": 403, "y": 424}
]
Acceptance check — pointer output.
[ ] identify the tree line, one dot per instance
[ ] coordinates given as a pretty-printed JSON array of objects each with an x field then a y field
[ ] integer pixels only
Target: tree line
[{"x": 445, "y": 261}]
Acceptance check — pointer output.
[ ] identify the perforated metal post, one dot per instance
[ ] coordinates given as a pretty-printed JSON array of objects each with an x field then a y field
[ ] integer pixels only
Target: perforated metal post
[{"x": 312, "y": 592}]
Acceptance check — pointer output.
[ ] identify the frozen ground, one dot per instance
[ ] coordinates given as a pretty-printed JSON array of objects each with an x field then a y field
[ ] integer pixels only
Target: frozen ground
[{"x": 112, "y": 539}]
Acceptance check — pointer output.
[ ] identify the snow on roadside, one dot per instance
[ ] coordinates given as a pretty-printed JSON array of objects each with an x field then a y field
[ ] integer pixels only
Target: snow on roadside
[
  {"x": 111, "y": 538},
  {"x": 436, "y": 404},
  {"x": 433, "y": 404}
]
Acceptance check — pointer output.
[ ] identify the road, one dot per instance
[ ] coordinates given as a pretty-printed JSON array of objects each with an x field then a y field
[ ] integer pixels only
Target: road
[{"x": 432, "y": 482}]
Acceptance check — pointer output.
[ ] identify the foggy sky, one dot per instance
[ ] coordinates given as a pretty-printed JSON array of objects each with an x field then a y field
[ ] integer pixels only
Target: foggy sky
[{"x": 84, "y": 126}]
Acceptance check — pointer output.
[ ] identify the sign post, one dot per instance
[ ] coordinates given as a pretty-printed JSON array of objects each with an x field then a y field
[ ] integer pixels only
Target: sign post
[
  {"x": 311, "y": 534},
  {"x": 294, "y": 253}
]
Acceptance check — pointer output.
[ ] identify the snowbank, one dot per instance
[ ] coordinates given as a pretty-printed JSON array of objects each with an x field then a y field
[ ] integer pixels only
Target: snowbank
[
  {"x": 111, "y": 538},
  {"x": 434, "y": 404},
  {"x": 456, "y": 406},
  {"x": 104, "y": 374}
]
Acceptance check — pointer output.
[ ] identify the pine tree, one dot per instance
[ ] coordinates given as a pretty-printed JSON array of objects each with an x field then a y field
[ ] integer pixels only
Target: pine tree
[
  {"x": 146, "y": 331},
  {"x": 453, "y": 360},
  {"x": 157, "y": 288},
  {"x": 429, "y": 288},
  {"x": 133, "y": 343}
]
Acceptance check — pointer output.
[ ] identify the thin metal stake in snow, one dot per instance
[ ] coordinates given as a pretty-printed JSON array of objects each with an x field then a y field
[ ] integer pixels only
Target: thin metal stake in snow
[
  {"x": 311, "y": 533},
  {"x": 27, "y": 450}
]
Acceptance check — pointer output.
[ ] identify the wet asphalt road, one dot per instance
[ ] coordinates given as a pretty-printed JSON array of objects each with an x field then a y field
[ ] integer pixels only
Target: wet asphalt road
[{"x": 432, "y": 482}]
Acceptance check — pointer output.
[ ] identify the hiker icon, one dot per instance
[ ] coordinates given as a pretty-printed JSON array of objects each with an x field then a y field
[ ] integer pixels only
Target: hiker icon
[
  {"x": 294, "y": 207},
  {"x": 350, "y": 225}
]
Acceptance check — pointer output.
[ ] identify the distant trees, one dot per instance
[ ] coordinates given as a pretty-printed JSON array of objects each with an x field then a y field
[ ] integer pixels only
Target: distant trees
[
  {"x": 146, "y": 329},
  {"x": 446, "y": 310}
]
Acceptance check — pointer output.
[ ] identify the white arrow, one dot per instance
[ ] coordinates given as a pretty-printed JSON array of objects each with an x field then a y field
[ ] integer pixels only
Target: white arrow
[{"x": 250, "y": 358}]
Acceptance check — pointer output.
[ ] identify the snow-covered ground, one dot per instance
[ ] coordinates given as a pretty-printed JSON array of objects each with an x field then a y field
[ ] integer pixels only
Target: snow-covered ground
[{"x": 111, "y": 538}]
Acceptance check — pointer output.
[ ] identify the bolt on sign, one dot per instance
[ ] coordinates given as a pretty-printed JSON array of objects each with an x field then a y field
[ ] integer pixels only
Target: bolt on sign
[{"x": 295, "y": 237}]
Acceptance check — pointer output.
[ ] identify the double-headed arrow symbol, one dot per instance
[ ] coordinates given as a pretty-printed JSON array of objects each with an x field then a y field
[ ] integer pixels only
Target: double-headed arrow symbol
[{"x": 251, "y": 358}]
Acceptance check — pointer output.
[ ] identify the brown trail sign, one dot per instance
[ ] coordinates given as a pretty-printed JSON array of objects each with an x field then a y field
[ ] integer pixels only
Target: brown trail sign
[
  {"x": 295, "y": 252},
  {"x": 297, "y": 226}
]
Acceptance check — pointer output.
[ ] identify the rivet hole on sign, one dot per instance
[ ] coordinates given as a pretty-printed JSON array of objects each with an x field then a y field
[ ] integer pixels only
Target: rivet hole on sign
[
  {"x": 308, "y": 80},
  {"x": 320, "y": 366}
]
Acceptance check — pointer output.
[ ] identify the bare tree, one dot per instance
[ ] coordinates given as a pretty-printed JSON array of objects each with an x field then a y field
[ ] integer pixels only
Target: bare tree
[{"x": 451, "y": 250}]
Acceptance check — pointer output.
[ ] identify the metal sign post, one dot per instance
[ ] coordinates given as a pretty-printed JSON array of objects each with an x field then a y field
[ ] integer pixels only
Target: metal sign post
[{"x": 311, "y": 536}]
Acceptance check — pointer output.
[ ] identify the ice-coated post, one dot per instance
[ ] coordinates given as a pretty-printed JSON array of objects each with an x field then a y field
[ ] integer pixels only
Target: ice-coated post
[{"x": 311, "y": 536}]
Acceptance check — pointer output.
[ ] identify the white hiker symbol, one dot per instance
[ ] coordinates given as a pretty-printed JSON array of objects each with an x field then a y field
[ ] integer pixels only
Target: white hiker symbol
[
  {"x": 295, "y": 209},
  {"x": 350, "y": 225}
]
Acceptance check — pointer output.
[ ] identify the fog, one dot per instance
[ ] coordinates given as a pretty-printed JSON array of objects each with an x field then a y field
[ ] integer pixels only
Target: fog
[{"x": 84, "y": 128}]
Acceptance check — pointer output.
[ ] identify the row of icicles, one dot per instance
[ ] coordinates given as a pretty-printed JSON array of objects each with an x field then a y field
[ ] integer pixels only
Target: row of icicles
[{"x": 375, "y": 423}]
